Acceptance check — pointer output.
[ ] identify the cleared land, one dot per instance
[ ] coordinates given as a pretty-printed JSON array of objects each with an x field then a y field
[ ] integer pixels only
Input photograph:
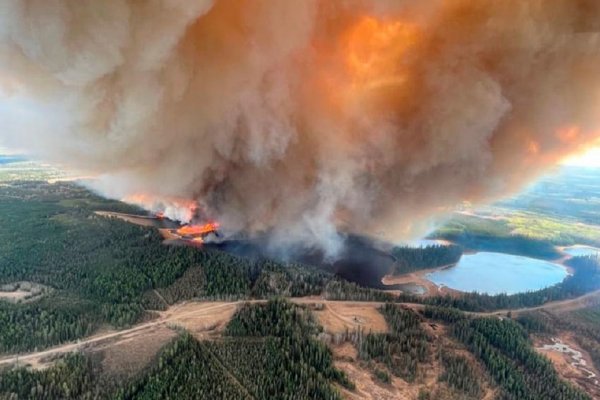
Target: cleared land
[
  {"x": 22, "y": 291},
  {"x": 206, "y": 319},
  {"x": 132, "y": 219},
  {"x": 571, "y": 361},
  {"x": 201, "y": 319},
  {"x": 345, "y": 316}
]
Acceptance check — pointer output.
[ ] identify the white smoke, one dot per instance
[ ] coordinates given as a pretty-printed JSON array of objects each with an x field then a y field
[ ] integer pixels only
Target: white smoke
[{"x": 302, "y": 118}]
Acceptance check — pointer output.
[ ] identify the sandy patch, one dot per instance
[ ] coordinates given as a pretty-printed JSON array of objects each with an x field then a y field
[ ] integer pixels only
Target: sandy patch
[
  {"x": 420, "y": 278},
  {"x": 201, "y": 319},
  {"x": 22, "y": 291},
  {"x": 337, "y": 317}
]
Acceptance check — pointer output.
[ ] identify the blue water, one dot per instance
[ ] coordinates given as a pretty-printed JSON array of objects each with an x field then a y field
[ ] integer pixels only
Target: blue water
[
  {"x": 9, "y": 159},
  {"x": 495, "y": 273},
  {"x": 581, "y": 251}
]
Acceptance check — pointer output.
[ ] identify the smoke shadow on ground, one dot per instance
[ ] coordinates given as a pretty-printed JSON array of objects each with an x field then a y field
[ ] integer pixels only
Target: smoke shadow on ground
[{"x": 361, "y": 260}]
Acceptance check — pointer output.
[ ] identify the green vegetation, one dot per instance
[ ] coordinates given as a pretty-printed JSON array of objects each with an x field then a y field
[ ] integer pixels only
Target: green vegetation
[
  {"x": 409, "y": 259},
  {"x": 536, "y": 323},
  {"x": 403, "y": 348},
  {"x": 460, "y": 374},
  {"x": 41, "y": 324},
  {"x": 382, "y": 375},
  {"x": 186, "y": 369},
  {"x": 15, "y": 169},
  {"x": 71, "y": 378},
  {"x": 503, "y": 347},
  {"x": 482, "y": 234},
  {"x": 292, "y": 351},
  {"x": 105, "y": 270},
  {"x": 343, "y": 290},
  {"x": 269, "y": 353},
  {"x": 559, "y": 232},
  {"x": 570, "y": 196},
  {"x": 585, "y": 322}
]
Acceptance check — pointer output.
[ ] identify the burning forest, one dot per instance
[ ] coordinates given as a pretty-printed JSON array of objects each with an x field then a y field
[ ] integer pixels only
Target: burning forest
[{"x": 301, "y": 119}]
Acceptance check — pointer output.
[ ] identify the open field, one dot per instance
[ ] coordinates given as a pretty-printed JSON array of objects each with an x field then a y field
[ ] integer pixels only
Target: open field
[
  {"x": 22, "y": 291},
  {"x": 338, "y": 317},
  {"x": 200, "y": 318},
  {"x": 206, "y": 319}
]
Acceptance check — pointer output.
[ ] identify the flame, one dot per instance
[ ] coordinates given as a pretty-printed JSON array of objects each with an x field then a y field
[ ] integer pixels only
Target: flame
[
  {"x": 198, "y": 230},
  {"x": 375, "y": 49}
]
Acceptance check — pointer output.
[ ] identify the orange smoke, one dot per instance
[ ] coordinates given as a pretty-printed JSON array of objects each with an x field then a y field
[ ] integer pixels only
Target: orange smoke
[
  {"x": 375, "y": 50},
  {"x": 292, "y": 117}
]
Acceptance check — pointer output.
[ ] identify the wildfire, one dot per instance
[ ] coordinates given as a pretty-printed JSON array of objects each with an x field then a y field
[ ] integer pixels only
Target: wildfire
[
  {"x": 178, "y": 209},
  {"x": 375, "y": 49},
  {"x": 198, "y": 230}
]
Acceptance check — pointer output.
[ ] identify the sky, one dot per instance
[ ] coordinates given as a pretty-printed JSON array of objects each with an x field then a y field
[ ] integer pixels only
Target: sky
[{"x": 590, "y": 158}]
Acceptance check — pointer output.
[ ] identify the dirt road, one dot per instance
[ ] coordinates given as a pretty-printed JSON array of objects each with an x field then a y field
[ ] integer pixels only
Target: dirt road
[{"x": 210, "y": 313}]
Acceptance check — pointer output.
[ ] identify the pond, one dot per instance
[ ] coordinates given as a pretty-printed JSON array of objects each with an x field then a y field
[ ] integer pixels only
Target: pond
[
  {"x": 581, "y": 251},
  {"x": 495, "y": 273}
]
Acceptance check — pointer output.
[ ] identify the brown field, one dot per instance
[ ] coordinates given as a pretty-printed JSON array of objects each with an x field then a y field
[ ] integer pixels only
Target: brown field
[
  {"x": 574, "y": 370},
  {"x": 129, "y": 355},
  {"x": 341, "y": 316},
  {"x": 124, "y": 353},
  {"x": 203, "y": 319},
  {"x": 369, "y": 387},
  {"x": 132, "y": 219}
]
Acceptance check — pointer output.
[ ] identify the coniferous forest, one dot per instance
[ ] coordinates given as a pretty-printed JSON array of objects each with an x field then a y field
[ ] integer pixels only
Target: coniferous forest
[{"x": 101, "y": 272}]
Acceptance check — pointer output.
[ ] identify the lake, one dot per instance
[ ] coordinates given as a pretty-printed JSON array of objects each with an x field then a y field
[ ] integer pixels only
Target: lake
[
  {"x": 495, "y": 273},
  {"x": 581, "y": 251}
]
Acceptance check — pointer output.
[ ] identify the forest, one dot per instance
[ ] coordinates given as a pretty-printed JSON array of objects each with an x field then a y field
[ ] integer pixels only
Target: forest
[
  {"x": 403, "y": 348},
  {"x": 409, "y": 259},
  {"x": 585, "y": 322},
  {"x": 104, "y": 270},
  {"x": 504, "y": 348},
  {"x": 269, "y": 351},
  {"x": 482, "y": 234}
]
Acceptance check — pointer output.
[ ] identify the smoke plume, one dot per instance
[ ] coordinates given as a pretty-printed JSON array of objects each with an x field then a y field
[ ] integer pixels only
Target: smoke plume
[{"x": 302, "y": 118}]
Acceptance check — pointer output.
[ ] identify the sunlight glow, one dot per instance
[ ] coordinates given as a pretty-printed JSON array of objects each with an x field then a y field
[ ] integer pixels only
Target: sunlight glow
[{"x": 591, "y": 158}]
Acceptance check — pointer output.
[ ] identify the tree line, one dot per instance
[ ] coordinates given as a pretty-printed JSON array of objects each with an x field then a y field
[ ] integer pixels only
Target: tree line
[{"x": 409, "y": 259}]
